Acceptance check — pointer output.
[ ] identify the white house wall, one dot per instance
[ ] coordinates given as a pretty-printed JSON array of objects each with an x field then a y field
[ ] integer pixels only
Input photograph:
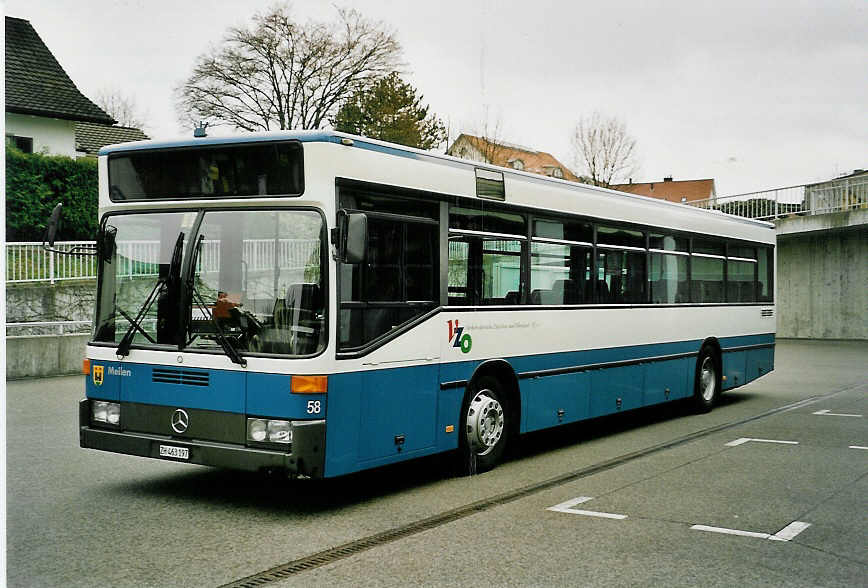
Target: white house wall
[{"x": 50, "y": 135}]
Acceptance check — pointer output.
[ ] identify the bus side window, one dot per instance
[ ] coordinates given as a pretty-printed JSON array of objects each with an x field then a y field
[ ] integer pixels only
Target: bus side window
[
  {"x": 397, "y": 282},
  {"x": 668, "y": 278},
  {"x": 459, "y": 288},
  {"x": 484, "y": 270},
  {"x": 501, "y": 269},
  {"x": 620, "y": 277},
  {"x": 765, "y": 274}
]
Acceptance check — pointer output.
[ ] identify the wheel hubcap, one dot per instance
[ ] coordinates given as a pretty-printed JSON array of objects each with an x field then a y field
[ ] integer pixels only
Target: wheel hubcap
[
  {"x": 707, "y": 379},
  {"x": 485, "y": 422}
]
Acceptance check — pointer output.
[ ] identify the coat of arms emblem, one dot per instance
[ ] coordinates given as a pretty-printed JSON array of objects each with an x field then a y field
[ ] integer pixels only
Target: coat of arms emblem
[{"x": 97, "y": 375}]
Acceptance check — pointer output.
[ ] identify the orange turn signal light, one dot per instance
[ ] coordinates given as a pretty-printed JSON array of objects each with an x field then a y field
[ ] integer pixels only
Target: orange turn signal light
[
  {"x": 85, "y": 366},
  {"x": 309, "y": 384}
]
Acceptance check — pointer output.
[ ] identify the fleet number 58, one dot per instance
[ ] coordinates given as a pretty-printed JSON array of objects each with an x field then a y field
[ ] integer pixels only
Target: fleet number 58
[{"x": 314, "y": 407}]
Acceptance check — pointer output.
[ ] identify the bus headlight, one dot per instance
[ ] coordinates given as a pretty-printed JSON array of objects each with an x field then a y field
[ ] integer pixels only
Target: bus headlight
[
  {"x": 279, "y": 432},
  {"x": 108, "y": 413},
  {"x": 113, "y": 413},
  {"x": 256, "y": 430},
  {"x": 269, "y": 431},
  {"x": 99, "y": 410}
]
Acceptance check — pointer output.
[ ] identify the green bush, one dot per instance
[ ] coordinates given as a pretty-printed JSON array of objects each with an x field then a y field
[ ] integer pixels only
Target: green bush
[{"x": 36, "y": 182}]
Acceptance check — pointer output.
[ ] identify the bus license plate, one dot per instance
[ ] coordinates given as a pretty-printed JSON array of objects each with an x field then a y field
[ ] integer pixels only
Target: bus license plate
[{"x": 175, "y": 452}]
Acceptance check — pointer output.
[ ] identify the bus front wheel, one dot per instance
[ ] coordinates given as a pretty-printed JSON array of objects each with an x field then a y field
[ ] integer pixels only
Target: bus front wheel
[
  {"x": 485, "y": 425},
  {"x": 708, "y": 381}
]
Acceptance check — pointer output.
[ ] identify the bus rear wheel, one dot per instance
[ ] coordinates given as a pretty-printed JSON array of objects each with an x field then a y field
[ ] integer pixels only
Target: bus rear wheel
[
  {"x": 708, "y": 382},
  {"x": 485, "y": 425}
]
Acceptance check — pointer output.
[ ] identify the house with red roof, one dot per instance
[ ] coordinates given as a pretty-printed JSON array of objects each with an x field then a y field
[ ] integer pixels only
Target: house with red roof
[
  {"x": 671, "y": 190},
  {"x": 509, "y": 155}
]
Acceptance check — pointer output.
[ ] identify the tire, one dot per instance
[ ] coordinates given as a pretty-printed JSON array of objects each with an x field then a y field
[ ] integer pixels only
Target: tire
[
  {"x": 707, "y": 383},
  {"x": 485, "y": 426}
]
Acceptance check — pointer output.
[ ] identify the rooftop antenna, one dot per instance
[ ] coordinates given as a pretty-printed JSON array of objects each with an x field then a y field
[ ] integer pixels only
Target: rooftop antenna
[{"x": 200, "y": 131}]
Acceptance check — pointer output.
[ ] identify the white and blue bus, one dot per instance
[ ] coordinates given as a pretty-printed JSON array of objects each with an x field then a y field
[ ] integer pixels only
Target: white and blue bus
[{"x": 318, "y": 303}]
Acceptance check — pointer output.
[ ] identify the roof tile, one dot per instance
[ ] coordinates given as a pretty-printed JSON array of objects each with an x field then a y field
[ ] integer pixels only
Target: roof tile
[
  {"x": 90, "y": 137},
  {"x": 37, "y": 84}
]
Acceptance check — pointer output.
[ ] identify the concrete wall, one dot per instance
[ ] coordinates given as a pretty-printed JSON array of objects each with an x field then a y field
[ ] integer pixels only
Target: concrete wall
[
  {"x": 822, "y": 289},
  {"x": 40, "y": 351},
  {"x": 63, "y": 301},
  {"x": 44, "y": 355},
  {"x": 50, "y": 135}
]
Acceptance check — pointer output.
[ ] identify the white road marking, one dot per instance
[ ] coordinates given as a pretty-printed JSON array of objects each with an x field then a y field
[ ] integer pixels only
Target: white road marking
[
  {"x": 827, "y": 412},
  {"x": 738, "y": 442},
  {"x": 730, "y": 531},
  {"x": 593, "y": 513},
  {"x": 790, "y": 531},
  {"x": 785, "y": 534},
  {"x": 567, "y": 507},
  {"x": 857, "y": 447},
  {"x": 570, "y": 503},
  {"x": 744, "y": 440}
]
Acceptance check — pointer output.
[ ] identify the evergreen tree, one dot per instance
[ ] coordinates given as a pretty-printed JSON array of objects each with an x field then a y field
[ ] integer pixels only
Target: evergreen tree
[{"x": 391, "y": 111}]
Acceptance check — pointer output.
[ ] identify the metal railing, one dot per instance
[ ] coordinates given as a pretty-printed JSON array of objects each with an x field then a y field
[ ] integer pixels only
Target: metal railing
[
  {"x": 29, "y": 262},
  {"x": 806, "y": 199}
]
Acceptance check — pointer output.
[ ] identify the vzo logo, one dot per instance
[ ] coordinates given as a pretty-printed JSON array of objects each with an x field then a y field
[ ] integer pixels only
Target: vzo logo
[{"x": 458, "y": 337}]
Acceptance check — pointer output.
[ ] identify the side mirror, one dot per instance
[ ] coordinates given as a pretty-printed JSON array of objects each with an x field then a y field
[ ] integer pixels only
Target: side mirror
[
  {"x": 353, "y": 230},
  {"x": 53, "y": 221},
  {"x": 51, "y": 234}
]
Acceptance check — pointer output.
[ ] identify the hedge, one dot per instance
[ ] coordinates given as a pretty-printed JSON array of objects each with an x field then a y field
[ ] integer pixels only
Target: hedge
[{"x": 36, "y": 182}]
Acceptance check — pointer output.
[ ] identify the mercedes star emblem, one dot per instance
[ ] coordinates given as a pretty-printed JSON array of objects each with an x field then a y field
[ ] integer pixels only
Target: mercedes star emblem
[{"x": 180, "y": 420}]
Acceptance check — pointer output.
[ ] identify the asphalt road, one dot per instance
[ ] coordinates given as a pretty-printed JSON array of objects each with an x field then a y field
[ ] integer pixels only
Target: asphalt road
[{"x": 658, "y": 497}]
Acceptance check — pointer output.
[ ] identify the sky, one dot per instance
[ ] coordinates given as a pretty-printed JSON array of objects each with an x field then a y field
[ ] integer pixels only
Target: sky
[{"x": 755, "y": 94}]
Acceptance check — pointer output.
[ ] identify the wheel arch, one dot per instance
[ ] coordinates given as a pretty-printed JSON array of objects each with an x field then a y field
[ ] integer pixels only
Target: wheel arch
[
  {"x": 503, "y": 372},
  {"x": 714, "y": 344}
]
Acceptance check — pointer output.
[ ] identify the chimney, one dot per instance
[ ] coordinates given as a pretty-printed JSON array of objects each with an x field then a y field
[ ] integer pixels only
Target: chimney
[{"x": 667, "y": 179}]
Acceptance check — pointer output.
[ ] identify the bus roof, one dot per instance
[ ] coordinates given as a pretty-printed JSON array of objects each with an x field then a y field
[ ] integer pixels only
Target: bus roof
[{"x": 336, "y": 137}]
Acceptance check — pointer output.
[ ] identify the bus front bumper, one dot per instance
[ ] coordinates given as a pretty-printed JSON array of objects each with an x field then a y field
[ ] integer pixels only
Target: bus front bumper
[{"x": 306, "y": 458}]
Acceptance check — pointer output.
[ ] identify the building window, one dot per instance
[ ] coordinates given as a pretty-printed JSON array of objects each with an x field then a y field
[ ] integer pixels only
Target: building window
[
  {"x": 558, "y": 173},
  {"x": 518, "y": 164},
  {"x": 23, "y": 144}
]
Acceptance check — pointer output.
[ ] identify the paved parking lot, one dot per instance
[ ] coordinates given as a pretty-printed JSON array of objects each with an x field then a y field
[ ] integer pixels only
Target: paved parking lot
[{"x": 768, "y": 489}]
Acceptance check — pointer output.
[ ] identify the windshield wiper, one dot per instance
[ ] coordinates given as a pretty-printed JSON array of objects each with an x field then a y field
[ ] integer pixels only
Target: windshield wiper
[
  {"x": 224, "y": 341},
  {"x": 162, "y": 284}
]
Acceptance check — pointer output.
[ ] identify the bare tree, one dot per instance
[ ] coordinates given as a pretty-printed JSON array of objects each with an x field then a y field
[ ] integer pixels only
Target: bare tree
[
  {"x": 279, "y": 74},
  {"x": 603, "y": 150},
  {"x": 490, "y": 131},
  {"x": 487, "y": 143},
  {"x": 121, "y": 107}
]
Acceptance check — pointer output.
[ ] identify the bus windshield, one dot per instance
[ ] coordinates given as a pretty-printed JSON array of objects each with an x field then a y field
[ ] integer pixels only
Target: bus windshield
[{"x": 252, "y": 281}]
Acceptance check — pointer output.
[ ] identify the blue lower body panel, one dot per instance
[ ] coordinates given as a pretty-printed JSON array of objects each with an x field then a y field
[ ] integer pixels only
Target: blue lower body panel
[
  {"x": 377, "y": 417},
  {"x": 385, "y": 416}
]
